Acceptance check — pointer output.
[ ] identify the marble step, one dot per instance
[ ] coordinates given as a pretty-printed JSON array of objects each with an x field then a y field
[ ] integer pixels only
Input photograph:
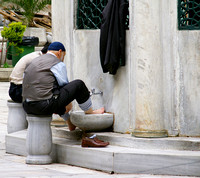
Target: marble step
[
  {"x": 115, "y": 159},
  {"x": 126, "y": 140}
]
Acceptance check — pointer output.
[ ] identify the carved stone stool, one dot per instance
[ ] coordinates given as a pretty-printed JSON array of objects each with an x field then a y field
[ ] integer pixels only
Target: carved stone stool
[
  {"x": 16, "y": 117},
  {"x": 39, "y": 139}
]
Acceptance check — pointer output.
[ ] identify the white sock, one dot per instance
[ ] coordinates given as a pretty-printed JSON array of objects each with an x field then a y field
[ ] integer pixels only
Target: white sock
[{"x": 93, "y": 136}]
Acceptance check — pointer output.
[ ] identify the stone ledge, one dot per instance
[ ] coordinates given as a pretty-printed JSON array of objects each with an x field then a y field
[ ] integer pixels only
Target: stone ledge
[
  {"x": 115, "y": 158},
  {"x": 37, "y": 32},
  {"x": 5, "y": 74},
  {"x": 63, "y": 132},
  {"x": 167, "y": 143},
  {"x": 126, "y": 140}
]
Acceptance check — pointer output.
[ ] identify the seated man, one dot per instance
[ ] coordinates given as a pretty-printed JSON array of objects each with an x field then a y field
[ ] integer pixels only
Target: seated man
[
  {"x": 46, "y": 89},
  {"x": 16, "y": 77}
]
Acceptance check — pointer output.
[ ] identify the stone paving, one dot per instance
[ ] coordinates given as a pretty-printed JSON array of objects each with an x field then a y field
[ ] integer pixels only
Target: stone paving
[{"x": 14, "y": 166}]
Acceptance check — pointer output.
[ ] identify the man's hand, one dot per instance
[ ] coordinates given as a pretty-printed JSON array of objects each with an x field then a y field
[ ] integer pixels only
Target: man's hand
[{"x": 68, "y": 107}]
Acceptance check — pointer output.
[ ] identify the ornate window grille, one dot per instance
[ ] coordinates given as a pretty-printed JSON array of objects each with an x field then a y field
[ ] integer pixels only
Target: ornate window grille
[
  {"x": 89, "y": 14},
  {"x": 189, "y": 14}
]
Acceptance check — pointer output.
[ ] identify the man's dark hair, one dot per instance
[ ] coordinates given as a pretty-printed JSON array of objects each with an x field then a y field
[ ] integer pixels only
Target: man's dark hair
[{"x": 45, "y": 48}]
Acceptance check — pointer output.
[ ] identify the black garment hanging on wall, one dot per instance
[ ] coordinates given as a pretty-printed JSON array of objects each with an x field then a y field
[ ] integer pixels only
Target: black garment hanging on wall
[{"x": 112, "y": 35}]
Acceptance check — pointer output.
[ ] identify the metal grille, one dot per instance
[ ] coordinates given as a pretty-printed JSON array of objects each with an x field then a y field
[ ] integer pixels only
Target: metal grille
[
  {"x": 189, "y": 14},
  {"x": 89, "y": 14}
]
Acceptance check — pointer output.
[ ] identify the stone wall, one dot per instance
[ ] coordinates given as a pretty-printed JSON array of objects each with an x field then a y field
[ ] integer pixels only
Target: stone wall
[
  {"x": 189, "y": 55},
  {"x": 181, "y": 55},
  {"x": 86, "y": 66},
  {"x": 158, "y": 88}
]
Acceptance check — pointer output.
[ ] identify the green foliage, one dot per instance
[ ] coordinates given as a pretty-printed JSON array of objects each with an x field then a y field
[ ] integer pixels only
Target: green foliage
[
  {"x": 14, "y": 33},
  {"x": 6, "y": 65},
  {"x": 29, "y": 8}
]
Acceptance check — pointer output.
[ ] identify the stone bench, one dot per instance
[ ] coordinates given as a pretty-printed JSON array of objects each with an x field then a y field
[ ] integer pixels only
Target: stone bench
[
  {"x": 16, "y": 117},
  {"x": 39, "y": 139}
]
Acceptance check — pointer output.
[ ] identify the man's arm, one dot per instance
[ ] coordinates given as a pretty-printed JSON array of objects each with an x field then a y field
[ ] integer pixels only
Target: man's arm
[{"x": 60, "y": 72}]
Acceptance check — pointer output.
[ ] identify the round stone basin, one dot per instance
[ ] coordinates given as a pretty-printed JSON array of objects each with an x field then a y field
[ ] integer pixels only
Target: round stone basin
[{"x": 91, "y": 122}]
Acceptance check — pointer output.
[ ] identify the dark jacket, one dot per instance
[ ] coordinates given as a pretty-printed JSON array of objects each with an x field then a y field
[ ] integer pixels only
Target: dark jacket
[{"x": 112, "y": 35}]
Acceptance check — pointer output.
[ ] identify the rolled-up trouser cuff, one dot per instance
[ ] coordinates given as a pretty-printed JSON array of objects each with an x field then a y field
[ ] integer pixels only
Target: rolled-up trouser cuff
[{"x": 86, "y": 105}]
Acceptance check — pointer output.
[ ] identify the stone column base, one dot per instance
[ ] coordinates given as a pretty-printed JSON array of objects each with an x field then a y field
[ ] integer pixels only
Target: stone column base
[
  {"x": 150, "y": 133},
  {"x": 38, "y": 159}
]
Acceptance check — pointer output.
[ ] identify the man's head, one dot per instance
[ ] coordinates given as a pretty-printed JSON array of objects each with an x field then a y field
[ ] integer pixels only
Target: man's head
[{"x": 58, "y": 49}]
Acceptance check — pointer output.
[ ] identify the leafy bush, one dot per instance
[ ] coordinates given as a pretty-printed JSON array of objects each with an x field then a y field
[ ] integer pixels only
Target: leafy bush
[
  {"x": 6, "y": 65},
  {"x": 14, "y": 33}
]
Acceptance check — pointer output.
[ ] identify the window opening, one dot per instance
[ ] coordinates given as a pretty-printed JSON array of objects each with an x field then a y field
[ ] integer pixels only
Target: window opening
[
  {"x": 89, "y": 14},
  {"x": 189, "y": 14}
]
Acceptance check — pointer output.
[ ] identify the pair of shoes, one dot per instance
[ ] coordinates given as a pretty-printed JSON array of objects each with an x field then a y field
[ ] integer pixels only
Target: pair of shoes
[
  {"x": 100, "y": 141},
  {"x": 93, "y": 142}
]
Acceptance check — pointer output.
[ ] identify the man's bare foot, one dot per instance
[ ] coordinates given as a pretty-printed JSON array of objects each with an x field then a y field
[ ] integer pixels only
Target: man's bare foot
[
  {"x": 98, "y": 111},
  {"x": 70, "y": 125}
]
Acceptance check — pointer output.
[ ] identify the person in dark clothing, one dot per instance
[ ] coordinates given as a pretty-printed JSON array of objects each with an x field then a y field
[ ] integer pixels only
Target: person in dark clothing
[
  {"x": 46, "y": 89},
  {"x": 16, "y": 77},
  {"x": 112, "y": 35}
]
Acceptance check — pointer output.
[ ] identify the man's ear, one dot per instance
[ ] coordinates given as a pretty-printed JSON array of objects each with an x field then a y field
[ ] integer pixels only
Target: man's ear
[{"x": 60, "y": 52}]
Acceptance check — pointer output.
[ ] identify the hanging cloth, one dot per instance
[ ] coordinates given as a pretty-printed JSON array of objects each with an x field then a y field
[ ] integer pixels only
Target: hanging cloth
[{"x": 112, "y": 35}]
